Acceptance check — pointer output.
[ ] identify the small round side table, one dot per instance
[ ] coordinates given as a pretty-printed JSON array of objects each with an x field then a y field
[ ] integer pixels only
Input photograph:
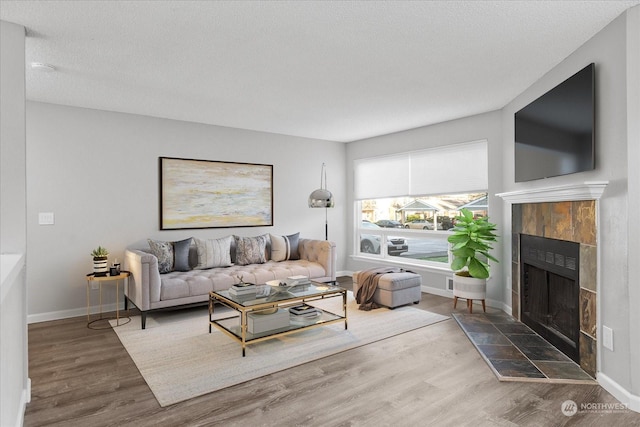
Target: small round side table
[{"x": 106, "y": 280}]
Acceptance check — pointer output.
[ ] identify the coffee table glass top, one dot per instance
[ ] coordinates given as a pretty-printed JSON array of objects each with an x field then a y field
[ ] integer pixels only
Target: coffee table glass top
[{"x": 272, "y": 294}]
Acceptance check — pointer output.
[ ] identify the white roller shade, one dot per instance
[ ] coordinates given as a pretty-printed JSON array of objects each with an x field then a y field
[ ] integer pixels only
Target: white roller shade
[
  {"x": 451, "y": 169},
  {"x": 459, "y": 168},
  {"x": 378, "y": 177}
]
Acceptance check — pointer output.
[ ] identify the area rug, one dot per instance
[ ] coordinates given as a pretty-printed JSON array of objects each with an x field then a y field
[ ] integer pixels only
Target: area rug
[{"x": 179, "y": 359}]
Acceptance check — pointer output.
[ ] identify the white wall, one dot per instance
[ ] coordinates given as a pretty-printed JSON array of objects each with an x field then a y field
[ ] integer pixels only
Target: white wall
[
  {"x": 484, "y": 126},
  {"x": 14, "y": 382},
  {"x": 97, "y": 171},
  {"x": 633, "y": 183},
  {"x": 608, "y": 49}
]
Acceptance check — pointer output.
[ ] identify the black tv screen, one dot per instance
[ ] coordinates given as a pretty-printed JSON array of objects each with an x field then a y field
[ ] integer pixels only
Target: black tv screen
[{"x": 555, "y": 133}]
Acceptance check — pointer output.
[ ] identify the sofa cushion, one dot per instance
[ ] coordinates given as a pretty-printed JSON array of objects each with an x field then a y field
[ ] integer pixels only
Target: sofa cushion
[
  {"x": 172, "y": 256},
  {"x": 181, "y": 255},
  {"x": 164, "y": 252},
  {"x": 213, "y": 252},
  {"x": 284, "y": 248},
  {"x": 250, "y": 250}
]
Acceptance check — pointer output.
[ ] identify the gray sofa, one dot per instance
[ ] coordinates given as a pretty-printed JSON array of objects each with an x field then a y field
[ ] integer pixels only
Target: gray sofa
[{"x": 149, "y": 290}]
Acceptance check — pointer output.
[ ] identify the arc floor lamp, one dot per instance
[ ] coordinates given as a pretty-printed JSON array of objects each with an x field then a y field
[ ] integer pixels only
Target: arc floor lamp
[{"x": 322, "y": 198}]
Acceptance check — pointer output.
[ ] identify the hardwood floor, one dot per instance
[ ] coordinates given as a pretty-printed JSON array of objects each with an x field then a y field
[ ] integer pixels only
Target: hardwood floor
[{"x": 432, "y": 376}]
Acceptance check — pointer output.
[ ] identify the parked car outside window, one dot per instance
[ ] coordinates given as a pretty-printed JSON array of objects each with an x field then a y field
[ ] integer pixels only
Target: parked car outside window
[
  {"x": 419, "y": 224},
  {"x": 370, "y": 243},
  {"x": 389, "y": 223}
]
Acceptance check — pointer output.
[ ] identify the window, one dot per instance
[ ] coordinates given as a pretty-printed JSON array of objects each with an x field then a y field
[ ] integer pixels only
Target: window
[
  {"x": 413, "y": 229},
  {"x": 407, "y": 202}
]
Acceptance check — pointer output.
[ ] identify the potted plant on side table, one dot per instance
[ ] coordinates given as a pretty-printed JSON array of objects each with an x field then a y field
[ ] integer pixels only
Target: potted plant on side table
[
  {"x": 100, "y": 264},
  {"x": 471, "y": 240}
]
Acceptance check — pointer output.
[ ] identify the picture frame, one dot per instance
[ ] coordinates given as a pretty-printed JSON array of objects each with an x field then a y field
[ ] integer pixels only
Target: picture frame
[{"x": 214, "y": 194}]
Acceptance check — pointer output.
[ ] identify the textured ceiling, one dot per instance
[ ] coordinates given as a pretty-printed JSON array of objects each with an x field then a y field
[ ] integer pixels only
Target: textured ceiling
[{"x": 338, "y": 71}]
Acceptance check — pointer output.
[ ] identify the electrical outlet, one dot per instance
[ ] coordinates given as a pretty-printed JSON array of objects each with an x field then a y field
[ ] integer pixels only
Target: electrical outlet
[
  {"x": 94, "y": 286},
  {"x": 46, "y": 218},
  {"x": 607, "y": 337},
  {"x": 449, "y": 283}
]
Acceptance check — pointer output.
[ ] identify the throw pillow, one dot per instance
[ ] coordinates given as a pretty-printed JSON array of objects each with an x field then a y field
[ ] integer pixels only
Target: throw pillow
[
  {"x": 164, "y": 252},
  {"x": 250, "y": 250},
  {"x": 181, "y": 255},
  {"x": 284, "y": 248},
  {"x": 214, "y": 252}
]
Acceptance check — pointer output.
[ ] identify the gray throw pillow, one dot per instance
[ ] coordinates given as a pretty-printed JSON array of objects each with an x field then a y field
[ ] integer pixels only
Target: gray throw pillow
[
  {"x": 164, "y": 252},
  {"x": 250, "y": 250},
  {"x": 172, "y": 256},
  {"x": 181, "y": 255},
  {"x": 294, "y": 240}
]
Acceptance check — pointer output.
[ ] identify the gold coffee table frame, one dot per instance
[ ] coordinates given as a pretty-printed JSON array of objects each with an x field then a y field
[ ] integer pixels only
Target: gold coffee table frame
[{"x": 252, "y": 304}]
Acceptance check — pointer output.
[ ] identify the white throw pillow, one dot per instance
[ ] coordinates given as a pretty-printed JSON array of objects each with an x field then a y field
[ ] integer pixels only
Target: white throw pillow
[
  {"x": 284, "y": 248},
  {"x": 213, "y": 252}
]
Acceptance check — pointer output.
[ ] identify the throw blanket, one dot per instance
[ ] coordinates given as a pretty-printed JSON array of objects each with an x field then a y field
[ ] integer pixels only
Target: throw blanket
[{"x": 369, "y": 283}]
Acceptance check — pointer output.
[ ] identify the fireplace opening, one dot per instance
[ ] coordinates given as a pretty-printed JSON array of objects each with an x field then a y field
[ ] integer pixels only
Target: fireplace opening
[{"x": 550, "y": 291}]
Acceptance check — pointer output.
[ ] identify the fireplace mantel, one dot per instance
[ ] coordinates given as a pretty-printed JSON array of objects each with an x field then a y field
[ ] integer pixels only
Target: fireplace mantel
[{"x": 589, "y": 190}]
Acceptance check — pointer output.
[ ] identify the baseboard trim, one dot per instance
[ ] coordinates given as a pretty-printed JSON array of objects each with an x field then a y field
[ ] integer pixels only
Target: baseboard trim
[
  {"x": 437, "y": 291},
  {"x": 624, "y": 396},
  {"x": 25, "y": 398},
  {"x": 74, "y": 312}
]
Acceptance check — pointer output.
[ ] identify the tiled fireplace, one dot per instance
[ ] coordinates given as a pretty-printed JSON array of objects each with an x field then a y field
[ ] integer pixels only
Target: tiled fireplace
[{"x": 570, "y": 224}]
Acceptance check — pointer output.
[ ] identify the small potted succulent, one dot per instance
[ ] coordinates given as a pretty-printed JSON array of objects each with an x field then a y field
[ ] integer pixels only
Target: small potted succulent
[
  {"x": 100, "y": 264},
  {"x": 471, "y": 241}
]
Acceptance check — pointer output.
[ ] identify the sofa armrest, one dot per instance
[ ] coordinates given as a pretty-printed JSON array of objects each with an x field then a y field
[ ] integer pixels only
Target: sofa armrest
[
  {"x": 321, "y": 251},
  {"x": 144, "y": 281}
]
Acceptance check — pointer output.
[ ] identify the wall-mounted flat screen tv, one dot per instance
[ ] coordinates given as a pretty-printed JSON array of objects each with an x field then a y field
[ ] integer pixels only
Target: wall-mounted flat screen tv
[{"x": 555, "y": 133}]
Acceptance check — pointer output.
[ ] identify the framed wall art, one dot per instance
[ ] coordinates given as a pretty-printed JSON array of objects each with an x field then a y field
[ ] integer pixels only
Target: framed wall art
[{"x": 214, "y": 194}]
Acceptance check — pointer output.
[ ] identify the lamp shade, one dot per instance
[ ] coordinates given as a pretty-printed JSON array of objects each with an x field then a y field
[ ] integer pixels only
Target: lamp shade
[{"x": 321, "y": 198}]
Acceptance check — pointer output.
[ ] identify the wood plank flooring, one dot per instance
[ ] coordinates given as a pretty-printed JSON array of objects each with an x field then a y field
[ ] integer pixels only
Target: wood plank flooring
[{"x": 432, "y": 376}]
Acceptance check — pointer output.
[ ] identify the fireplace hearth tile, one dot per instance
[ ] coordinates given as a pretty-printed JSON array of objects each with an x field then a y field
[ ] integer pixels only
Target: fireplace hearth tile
[
  {"x": 473, "y": 319},
  {"x": 517, "y": 369},
  {"x": 514, "y": 328},
  {"x": 498, "y": 318},
  {"x": 528, "y": 340},
  {"x": 501, "y": 352},
  {"x": 487, "y": 328},
  {"x": 563, "y": 371},
  {"x": 544, "y": 353},
  {"x": 482, "y": 338},
  {"x": 520, "y": 356}
]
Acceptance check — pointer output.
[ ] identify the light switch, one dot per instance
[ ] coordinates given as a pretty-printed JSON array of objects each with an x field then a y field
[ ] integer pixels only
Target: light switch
[
  {"x": 45, "y": 218},
  {"x": 607, "y": 337}
]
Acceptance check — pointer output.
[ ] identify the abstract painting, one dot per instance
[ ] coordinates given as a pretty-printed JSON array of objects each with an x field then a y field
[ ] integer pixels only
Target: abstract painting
[{"x": 214, "y": 194}]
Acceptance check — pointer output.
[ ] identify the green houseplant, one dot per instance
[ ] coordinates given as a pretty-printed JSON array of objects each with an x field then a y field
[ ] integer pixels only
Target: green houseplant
[
  {"x": 471, "y": 242},
  {"x": 100, "y": 265}
]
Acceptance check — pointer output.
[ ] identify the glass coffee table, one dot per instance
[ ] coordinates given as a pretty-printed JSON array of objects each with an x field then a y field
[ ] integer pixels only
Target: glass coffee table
[{"x": 273, "y": 301}]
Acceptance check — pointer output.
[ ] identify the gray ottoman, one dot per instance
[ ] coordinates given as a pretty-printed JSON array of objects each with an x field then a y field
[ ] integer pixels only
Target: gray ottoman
[{"x": 394, "y": 289}]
